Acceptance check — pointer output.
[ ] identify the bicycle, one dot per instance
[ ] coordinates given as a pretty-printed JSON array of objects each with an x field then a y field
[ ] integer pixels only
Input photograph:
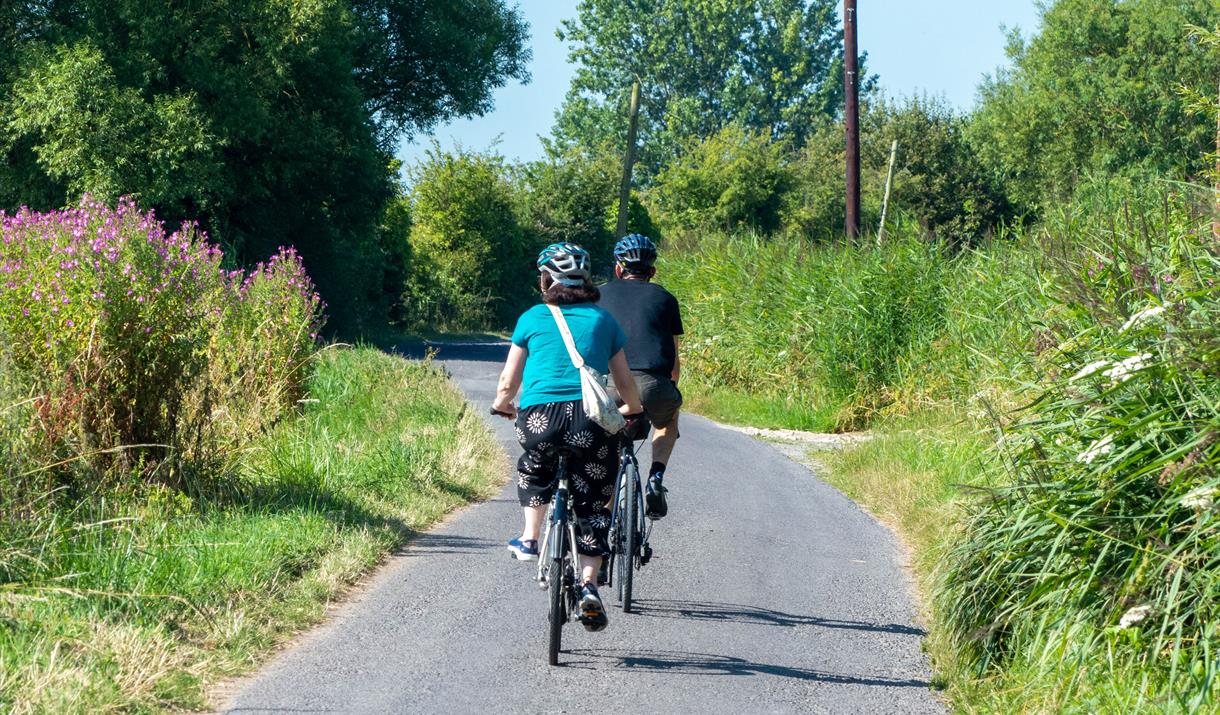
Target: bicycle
[
  {"x": 629, "y": 528},
  {"x": 558, "y": 562}
]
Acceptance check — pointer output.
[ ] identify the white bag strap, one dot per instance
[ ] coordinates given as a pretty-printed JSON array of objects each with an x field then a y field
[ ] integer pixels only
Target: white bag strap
[{"x": 573, "y": 353}]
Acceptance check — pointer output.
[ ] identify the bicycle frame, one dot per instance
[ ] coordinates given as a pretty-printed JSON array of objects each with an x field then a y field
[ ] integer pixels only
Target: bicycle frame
[
  {"x": 627, "y": 452},
  {"x": 558, "y": 517}
]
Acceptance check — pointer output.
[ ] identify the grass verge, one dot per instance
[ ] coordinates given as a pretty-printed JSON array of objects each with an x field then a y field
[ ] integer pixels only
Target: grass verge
[
  {"x": 738, "y": 407},
  {"x": 136, "y": 602}
]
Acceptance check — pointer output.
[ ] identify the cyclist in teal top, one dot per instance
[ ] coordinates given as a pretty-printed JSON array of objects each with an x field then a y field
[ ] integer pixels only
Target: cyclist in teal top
[{"x": 551, "y": 415}]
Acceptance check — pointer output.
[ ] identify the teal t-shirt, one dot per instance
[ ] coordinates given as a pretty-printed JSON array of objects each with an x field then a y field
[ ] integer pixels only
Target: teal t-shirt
[{"x": 549, "y": 374}]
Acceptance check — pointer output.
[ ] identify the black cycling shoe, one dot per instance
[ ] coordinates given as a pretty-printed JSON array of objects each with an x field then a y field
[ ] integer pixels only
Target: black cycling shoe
[
  {"x": 654, "y": 498},
  {"x": 592, "y": 613}
]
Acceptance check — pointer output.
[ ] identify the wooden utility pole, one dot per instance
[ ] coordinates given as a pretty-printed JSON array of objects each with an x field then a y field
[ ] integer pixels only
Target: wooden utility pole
[
  {"x": 851, "y": 118},
  {"x": 624, "y": 188},
  {"x": 885, "y": 202}
]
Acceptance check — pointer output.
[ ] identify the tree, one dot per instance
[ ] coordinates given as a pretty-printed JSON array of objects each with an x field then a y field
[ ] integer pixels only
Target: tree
[
  {"x": 270, "y": 121},
  {"x": 470, "y": 268},
  {"x": 734, "y": 179},
  {"x": 567, "y": 197},
  {"x": 941, "y": 183},
  {"x": 773, "y": 66},
  {"x": 1097, "y": 89}
]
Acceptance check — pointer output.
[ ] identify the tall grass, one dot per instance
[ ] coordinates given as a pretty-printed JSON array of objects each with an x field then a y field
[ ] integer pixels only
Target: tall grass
[
  {"x": 136, "y": 604},
  {"x": 818, "y": 331},
  {"x": 1101, "y": 558}
]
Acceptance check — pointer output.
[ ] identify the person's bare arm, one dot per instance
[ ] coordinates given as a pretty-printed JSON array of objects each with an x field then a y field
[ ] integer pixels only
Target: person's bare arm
[
  {"x": 624, "y": 382},
  {"x": 510, "y": 381},
  {"x": 677, "y": 371}
]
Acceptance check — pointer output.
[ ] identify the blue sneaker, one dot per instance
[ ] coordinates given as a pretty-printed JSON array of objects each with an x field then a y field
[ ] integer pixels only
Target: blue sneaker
[
  {"x": 523, "y": 550},
  {"x": 592, "y": 613}
]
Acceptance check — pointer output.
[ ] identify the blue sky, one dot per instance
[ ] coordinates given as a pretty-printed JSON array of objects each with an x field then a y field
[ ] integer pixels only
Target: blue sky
[{"x": 941, "y": 47}]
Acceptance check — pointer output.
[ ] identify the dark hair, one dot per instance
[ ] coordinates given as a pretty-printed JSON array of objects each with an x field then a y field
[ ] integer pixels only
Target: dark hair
[
  {"x": 558, "y": 294},
  {"x": 642, "y": 270}
]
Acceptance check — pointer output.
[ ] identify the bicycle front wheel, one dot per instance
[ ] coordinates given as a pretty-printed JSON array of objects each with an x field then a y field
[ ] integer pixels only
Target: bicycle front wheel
[{"x": 629, "y": 536}]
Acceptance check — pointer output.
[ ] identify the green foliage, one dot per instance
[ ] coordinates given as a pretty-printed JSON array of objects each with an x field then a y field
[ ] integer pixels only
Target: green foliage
[
  {"x": 940, "y": 183},
  {"x": 1105, "y": 541},
  {"x": 271, "y": 122},
  {"x": 139, "y": 356},
  {"x": 568, "y": 197},
  {"x": 470, "y": 266},
  {"x": 100, "y": 137},
  {"x": 141, "y": 602},
  {"x": 770, "y": 66},
  {"x": 1098, "y": 89},
  {"x": 734, "y": 179},
  {"x": 880, "y": 305},
  {"x": 823, "y": 329},
  {"x": 814, "y": 207},
  {"x": 939, "y": 180}
]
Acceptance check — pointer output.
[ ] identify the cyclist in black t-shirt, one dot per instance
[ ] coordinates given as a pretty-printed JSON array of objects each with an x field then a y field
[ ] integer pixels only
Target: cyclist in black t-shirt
[{"x": 650, "y": 317}]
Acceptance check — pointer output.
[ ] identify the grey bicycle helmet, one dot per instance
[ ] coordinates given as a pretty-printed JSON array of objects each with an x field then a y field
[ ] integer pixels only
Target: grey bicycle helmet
[{"x": 566, "y": 263}]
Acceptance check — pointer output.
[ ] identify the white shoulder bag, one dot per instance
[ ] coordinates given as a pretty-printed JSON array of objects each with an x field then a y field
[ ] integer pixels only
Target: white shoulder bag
[{"x": 596, "y": 398}]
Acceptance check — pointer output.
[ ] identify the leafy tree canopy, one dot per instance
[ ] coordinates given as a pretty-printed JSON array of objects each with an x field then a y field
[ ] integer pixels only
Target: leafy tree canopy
[
  {"x": 271, "y": 121},
  {"x": 773, "y": 66},
  {"x": 1099, "y": 88}
]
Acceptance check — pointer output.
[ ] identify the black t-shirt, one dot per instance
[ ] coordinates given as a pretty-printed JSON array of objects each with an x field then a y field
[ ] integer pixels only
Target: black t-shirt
[{"x": 649, "y": 316}]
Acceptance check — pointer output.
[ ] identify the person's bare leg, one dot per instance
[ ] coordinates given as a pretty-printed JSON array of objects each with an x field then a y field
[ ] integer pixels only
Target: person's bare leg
[
  {"x": 589, "y": 566},
  {"x": 533, "y": 522},
  {"x": 663, "y": 439}
]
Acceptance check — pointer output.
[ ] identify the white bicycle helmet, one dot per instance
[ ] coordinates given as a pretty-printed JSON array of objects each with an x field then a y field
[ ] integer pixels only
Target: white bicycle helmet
[{"x": 566, "y": 263}]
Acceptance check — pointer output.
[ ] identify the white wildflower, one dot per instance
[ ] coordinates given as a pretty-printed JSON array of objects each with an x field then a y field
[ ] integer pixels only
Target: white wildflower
[
  {"x": 1122, "y": 370},
  {"x": 1100, "y": 447},
  {"x": 1141, "y": 316},
  {"x": 1134, "y": 615},
  {"x": 1089, "y": 370},
  {"x": 1201, "y": 499}
]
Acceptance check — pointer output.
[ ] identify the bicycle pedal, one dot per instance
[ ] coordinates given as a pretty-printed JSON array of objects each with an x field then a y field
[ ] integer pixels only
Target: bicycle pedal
[{"x": 645, "y": 554}]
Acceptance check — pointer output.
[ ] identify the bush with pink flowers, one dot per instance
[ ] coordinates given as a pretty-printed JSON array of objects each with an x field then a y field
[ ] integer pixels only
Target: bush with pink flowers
[{"x": 137, "y": 353}]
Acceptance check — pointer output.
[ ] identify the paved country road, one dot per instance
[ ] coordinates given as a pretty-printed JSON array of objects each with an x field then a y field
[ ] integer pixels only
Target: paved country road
[{"x": 770, "y": 592}]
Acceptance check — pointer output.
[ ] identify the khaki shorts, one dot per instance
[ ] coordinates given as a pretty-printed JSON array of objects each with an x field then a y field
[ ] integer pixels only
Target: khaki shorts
[{"x": 660, "y": 396}]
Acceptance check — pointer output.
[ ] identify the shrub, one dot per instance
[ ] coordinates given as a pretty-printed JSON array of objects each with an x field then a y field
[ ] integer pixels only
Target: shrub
[
  {"x": 939, "y": 180},
  {"x": 733, "y": 179},
  {"x": 140, "y": 352},
  {"x": 470, "y": 267},
  {"x": 814, "y": 207},
  {"x": 568, "y": 197}
]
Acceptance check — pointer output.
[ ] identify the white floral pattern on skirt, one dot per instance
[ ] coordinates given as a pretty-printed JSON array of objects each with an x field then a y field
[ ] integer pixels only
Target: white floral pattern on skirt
[{"x": 536, "y": 422}]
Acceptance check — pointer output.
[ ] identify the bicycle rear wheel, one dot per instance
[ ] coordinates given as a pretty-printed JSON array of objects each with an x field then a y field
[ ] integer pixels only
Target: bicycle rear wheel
[
  {"x": 558, "y": 613},
  {"x": 629, "y": 536}
]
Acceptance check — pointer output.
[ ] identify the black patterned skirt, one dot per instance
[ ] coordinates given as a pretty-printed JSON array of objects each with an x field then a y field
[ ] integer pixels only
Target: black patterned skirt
[{"x": 542, "y": 430}]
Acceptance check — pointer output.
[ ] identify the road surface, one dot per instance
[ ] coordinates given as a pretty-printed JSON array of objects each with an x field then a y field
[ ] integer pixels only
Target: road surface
[{"x": 770, "y": 592}]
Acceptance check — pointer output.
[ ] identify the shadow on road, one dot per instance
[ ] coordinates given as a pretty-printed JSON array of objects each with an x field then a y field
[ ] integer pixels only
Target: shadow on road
[
  {"x": 681, "y": 663},
  {"x": 428, "y": 544},
  {"x": 738, "y": 613},
  {"x": 488, "y": 351}
]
